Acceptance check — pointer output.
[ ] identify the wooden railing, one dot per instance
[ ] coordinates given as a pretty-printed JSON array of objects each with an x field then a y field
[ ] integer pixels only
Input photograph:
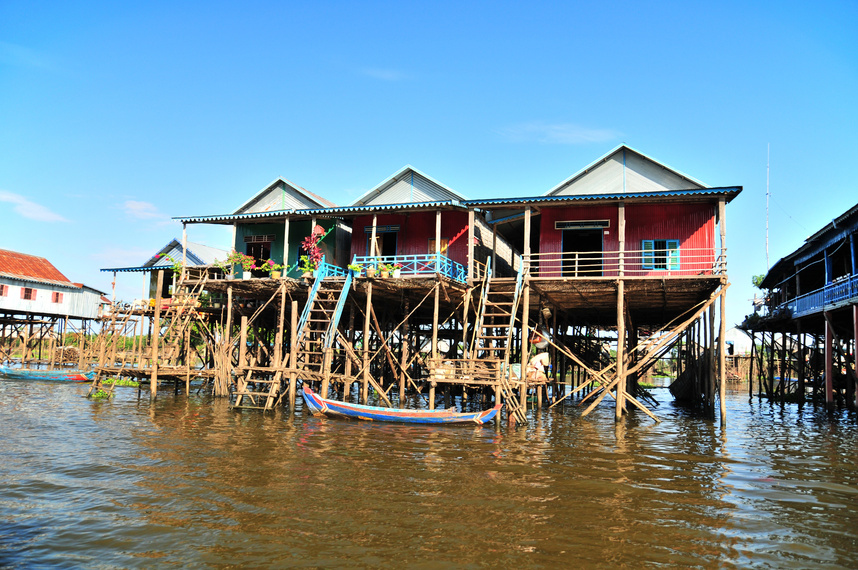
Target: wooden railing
[
  {"x": 630, "y": 263},
  {"x": 843, "y": 289},
  {"x": 428, "y": 264}
]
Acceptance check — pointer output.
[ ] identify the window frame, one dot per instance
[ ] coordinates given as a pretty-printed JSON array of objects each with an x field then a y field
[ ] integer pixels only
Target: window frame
[{"x": 652, "y": 260}]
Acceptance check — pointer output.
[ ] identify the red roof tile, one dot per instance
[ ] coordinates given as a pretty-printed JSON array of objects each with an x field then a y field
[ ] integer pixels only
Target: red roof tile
[{"x": 26, "y": 266}]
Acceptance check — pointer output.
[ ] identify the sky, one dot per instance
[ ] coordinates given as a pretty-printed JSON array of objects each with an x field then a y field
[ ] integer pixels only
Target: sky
[{"x": 116, "y": 117}]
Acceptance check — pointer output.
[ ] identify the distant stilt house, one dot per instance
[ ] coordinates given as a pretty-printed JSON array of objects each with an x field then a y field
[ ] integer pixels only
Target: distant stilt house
[
  {"x": 170, "y": 257},
  {"x": 808, "y": 328},
  {"x": 38, "y": 305}
]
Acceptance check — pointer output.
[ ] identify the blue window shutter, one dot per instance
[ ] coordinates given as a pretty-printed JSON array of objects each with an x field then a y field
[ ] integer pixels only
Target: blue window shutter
[
  {"x": 647, "y": 259},
  {"x": 673, "y": 253}
]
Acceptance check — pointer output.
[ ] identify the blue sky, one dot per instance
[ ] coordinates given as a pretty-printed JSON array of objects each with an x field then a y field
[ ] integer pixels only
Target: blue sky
[{"x": 116, "y": 116}]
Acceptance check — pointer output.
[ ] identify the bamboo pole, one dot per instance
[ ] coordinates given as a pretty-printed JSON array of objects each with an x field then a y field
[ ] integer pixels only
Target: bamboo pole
[
  {"x": 293, "y": 354},
  {"x": 156, "y": 334},
  {"x": 621, "y": 341},
  {"x": 364, "y": 392},
  {"x": 432, "y": 383}
]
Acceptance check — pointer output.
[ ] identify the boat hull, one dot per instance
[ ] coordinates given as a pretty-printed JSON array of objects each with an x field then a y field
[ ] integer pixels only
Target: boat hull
[
  {"x": 321, "y": 406},
  {"x": 48, "y": 375}
]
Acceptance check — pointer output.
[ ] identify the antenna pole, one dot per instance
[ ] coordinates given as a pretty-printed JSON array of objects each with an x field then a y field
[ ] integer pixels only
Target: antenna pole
[{"x": 768, "y": 154}]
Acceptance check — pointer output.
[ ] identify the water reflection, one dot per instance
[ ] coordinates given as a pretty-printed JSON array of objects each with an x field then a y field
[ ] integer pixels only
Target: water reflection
[{"x": 186, "y": 481}]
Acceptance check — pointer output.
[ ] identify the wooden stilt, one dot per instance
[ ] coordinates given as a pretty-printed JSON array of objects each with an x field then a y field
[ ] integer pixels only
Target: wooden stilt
[
  {"x": 829, "y": 365},
  {"x": 364, "y": 390},
  {"x": 156, "y": 334},
  {"x": 293, "y": 353},
  {"x": 621, "y": 341}
]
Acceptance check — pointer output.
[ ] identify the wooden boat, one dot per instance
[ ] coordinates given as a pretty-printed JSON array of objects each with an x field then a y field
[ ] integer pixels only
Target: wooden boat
[
  {"x": 320, "y": 406},
  {"x": 52, "y": 375}
]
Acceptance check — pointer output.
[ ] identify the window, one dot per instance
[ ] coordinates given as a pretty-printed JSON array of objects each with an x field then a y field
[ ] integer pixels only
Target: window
[
  {"x": 28, "y": 293},
  {"x": 56, "y": 297},
  {"x": 662, "y": 254},
  {"x": 4, "y": 290}
]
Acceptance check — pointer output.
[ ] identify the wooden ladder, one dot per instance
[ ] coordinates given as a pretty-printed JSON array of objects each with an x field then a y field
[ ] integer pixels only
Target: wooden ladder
[{"x": 493, "y": 336}]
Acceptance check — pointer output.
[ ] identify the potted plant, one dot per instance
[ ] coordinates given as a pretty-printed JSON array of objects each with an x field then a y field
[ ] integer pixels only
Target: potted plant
[
  {"x": 370, "y": 270},
  {"x": 268, "y": 266},
  {"x": 385, "y": 270},
  {"x": 397, "y": 270},
  {"x": 235, "y": 258},
  {"x": 355, "y": 269},
  {"x": 307, "y": 266}
]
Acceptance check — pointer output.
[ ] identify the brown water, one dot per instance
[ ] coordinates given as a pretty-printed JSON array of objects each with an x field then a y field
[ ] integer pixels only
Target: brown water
[{"x": 188, "y": 483}]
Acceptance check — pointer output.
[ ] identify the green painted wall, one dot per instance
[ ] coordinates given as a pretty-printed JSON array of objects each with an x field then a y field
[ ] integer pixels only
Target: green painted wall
[{"x": 298, "y": 230}]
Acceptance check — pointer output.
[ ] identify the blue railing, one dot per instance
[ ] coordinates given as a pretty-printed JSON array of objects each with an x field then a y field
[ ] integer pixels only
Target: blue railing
[
  {"x": 842, "y": 290},
  {"x": 331, "y": 270},
  {"x": 429, "y": 264}
]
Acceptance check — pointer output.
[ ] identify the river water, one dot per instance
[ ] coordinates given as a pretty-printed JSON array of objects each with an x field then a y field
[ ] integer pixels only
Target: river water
[{"x": 187, "y": 483}]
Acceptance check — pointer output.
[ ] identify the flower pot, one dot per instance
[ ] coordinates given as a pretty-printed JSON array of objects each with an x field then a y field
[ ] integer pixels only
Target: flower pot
[
  {"x": 275, "y": 275},
  {"x": 246, "y": 275},
  {"x": 397, "y": 273},
  {"x": 216, "y": 305},
  {"x": 230, "y": 276},
  {"x": 385, "y": 274},
  {"x": 370, "y": 271},
  {"x": 307, "y": 274}
]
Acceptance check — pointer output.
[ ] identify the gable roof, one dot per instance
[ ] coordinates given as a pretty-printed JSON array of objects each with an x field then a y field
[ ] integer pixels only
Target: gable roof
[
  {"x": 198, "y": 254},
  {"x": 625, "y": 170},
  {"x": 282, "y": 194},
  {"x": 30, "y": 268},
  {"x": 406, "y": 186}
]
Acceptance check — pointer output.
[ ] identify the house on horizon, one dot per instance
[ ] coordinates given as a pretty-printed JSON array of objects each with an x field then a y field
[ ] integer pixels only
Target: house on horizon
[
  {"x": 199, "y": 255},
  {"x": 31, "y": 286}
]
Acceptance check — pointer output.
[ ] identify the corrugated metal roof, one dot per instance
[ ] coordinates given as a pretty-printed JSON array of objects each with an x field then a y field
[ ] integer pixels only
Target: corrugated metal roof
[
  {"x": 229, "y": 218},
  {"x": 611, "y": 153},
  {"x": 30, "y": 268},
  {"x": 198, "y": 255},
  {"x": 422, "y": 189},
  {"x": 309, "y": 196},
  {"x": 730, "y": 191},
  {"x": 331, "y": 212},
  {"x": 451, "y": 204}
]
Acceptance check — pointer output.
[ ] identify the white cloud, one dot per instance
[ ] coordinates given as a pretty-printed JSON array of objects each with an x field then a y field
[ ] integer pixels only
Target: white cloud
[
  {"x": 556, "y": 133},
  {"x": 142, "y": 210},
  {"x": 30, "y": 210},
  {"x": 384, "y": 74}
]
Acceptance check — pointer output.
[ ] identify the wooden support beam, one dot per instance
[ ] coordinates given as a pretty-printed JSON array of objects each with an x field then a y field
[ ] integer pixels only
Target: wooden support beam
[
  {"x": 293, "y": 353},
  {"x": 829, "y": 363},
  {"x": 470, "y": 245},
  {"x": 364, "y": 392},
  {"x": 621, "y": 341},
  {"x": 156, "y": 334}
]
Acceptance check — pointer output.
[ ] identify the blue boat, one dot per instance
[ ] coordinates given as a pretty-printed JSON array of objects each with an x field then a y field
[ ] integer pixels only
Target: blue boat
[
  {"x": 51, "y": 375},
  {"x": 321, "y": 406}
]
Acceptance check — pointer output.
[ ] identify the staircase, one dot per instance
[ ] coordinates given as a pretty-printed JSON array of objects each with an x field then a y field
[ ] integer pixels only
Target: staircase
[
  {"x": 317, "y": 327},
  {"x": 181, "y": 313}
]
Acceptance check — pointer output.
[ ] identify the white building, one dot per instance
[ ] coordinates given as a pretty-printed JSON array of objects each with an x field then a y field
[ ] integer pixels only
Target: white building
[{"x": 31, "y": 285}]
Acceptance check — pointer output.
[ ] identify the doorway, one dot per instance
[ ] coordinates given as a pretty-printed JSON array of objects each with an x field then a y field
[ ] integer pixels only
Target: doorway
[{"x": 582, "y": 253}]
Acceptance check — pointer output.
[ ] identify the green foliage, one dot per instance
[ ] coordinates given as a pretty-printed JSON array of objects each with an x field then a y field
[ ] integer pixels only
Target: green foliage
[
  {"x": 101, "y": 395},
  {"x": 757, "y": 281}
]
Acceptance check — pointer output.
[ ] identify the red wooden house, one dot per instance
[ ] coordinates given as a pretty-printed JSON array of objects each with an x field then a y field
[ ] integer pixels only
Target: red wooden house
[{"x": 624, "y": 215}]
